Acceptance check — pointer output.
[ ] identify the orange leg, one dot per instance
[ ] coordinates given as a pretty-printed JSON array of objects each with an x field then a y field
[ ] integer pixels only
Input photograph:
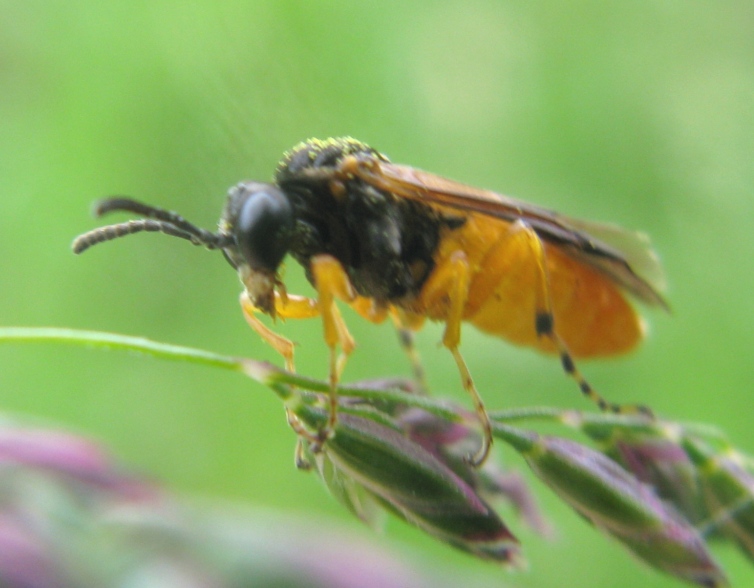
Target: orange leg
[
  {"x": 370, "y": 309},
  {"x": 449, "y": 285},
  {"x": 376, "y": 313},
  {"x": 286, "y": 306},
  {"x": 331, "y": 281},
  {"x": 544, "y": 322}
]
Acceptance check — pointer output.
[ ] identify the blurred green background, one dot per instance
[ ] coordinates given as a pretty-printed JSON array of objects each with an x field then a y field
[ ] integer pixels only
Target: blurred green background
[{"x": 639, "y": 113}]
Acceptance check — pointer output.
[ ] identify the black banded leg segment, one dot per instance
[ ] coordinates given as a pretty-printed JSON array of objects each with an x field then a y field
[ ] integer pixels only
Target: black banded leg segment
[{"x": 544, "y": 324}]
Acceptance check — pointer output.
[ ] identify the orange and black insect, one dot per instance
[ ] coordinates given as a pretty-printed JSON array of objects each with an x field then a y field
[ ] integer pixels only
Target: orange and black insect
[{"x": 391, "y": 240}]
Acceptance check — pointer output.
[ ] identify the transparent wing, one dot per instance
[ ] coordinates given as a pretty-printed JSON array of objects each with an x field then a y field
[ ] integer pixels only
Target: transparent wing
[
  {"x": 635, "y": 247},
  {"x": 625, "y": 257}
]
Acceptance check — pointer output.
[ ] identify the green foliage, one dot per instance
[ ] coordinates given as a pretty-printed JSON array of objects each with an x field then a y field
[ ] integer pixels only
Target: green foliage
[{"x": 397, "y": 450}]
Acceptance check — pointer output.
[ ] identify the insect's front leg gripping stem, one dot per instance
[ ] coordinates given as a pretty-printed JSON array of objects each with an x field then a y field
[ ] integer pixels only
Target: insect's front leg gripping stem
[
  {"x": 279, "y": 343},
  {"x": 331, "y": 281}
]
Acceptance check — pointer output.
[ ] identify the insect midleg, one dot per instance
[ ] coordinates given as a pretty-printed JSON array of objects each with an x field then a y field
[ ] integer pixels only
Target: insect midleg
[
  {"x": 450, "y": 281},
  {"x": 369, "y": 309},
  {"x": 406, "y": 339},
  {"x": 374, "y": 312},
  {"x": 544, "y": 324},
  {"x": 331, "y": 281}
]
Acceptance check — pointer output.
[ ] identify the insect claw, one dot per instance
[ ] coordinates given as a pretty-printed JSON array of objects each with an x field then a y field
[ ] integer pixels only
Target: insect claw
[
  {"x": 646, "y": 411},
  {"x": 302, "y": 462},
  {"x": 639, "y": 409},
  {"x": 318, "y": 439},
  {"x": 477, "y": 459}
]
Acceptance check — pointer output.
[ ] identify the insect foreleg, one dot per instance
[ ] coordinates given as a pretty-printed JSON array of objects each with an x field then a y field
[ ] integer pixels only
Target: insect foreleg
[
  {"x": 279, "y": 343},
  {"x": 286, "y": 306},
  {"x": 331, "y": 281}
]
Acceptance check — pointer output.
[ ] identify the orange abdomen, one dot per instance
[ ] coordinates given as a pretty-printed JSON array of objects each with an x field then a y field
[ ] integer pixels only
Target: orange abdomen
[{"x": 591, "y": 314}]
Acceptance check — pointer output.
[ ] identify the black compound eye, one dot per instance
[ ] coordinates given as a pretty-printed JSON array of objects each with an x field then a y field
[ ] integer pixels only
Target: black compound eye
[{"x": 263, "y": 227}]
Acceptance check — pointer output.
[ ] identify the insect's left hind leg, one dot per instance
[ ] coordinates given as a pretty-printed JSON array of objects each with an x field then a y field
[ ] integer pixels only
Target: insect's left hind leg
[{"x": 544, "y": 324}]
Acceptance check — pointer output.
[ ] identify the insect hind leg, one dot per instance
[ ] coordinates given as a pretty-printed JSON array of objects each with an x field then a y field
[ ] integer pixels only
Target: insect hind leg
[
  {"x": 544, "y": 324},
  {"x": 451, "y": 282},
  {"x": 569, "y": 367}
]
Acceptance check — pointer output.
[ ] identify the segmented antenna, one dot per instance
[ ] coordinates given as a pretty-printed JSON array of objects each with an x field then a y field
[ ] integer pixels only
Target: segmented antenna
[{"x": 157, "y": 220}]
